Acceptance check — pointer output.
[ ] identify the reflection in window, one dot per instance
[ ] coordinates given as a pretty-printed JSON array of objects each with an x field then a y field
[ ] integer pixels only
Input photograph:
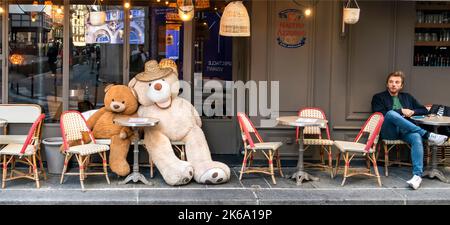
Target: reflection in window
[
  {"x": 213, "y": 60},
  {"x": 161, "y": 30},
  {"x": 35, "y": 57},
  {"x": 96, "y": 47}
]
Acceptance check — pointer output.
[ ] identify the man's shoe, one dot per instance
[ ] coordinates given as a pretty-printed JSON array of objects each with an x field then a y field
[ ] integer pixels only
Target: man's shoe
[
  {"x": 415, "y": 182},
  {"x": 437, "y": 139}
]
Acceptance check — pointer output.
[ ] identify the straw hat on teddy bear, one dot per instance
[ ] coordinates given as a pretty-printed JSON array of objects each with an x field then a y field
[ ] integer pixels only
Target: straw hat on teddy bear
[{"x": 153, "y": 72}]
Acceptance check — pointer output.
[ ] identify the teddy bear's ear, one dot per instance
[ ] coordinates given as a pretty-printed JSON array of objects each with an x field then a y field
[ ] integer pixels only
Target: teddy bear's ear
[
  {"x": 132, "y": 83},
  {"x": 108, "y": 87},
  {"x": 134, "y": 92}
]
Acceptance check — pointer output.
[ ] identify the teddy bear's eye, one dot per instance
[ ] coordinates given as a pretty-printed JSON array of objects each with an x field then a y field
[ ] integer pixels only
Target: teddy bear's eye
[
  {"x": 112, "y": 99},
  {"x": 162, "y": 79},
  {"x": 123, "y": 102},
  {"x": 150, "y": 84}
]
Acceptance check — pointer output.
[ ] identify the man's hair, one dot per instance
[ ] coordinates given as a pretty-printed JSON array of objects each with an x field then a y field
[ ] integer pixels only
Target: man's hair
[{"x": 396, "y": 74}]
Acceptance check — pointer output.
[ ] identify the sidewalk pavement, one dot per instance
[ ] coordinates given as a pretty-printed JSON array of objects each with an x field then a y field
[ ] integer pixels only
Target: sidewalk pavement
[{"x": 253, "y": 189}]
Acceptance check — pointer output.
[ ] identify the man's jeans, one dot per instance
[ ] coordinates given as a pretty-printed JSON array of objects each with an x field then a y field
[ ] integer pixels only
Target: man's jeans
[{"x": 397, "y": 127}]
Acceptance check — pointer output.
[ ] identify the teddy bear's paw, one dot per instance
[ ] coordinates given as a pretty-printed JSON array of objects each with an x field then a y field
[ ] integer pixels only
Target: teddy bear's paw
[
  {"x": 186, "y": 175},
  {"x": 214, "y": 176},
  {"x": 123, "y": 135}
]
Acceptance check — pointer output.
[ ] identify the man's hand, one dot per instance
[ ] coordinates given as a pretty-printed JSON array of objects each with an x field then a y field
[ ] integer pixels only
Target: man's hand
[{"x": 407, "y": 112}]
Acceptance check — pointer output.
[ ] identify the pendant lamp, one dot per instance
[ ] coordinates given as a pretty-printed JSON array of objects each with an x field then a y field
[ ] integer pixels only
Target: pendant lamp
[{"x": 235, "y": 21}]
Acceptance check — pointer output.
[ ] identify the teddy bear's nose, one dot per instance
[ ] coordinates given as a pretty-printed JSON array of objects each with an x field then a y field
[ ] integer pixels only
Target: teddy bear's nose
[
  {"x": 116, "y": 106},
  {"x": 158, "y": 86}
]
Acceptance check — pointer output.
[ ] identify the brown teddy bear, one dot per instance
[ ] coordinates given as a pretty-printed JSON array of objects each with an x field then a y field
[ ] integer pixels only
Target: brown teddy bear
[{"x": 120, "y": 101}]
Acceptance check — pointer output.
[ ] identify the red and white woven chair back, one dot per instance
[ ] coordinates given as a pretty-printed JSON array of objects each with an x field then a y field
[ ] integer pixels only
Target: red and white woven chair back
[
  {"x": 312, "y": 113},
  {"x": 247, "y": 128},
  {"x": 33, "y": 134},
  {"x": 372, "y": 127},
  {"x": 72, "y": 125}
]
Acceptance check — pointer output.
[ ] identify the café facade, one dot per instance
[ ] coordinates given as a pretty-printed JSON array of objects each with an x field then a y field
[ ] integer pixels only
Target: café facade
[{"x": 53, "y": 58}]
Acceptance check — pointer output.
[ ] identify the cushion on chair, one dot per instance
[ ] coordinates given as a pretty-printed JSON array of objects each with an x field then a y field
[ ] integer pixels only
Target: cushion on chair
[
  {"x": 348, "y": 146},
  {"x": 266, "y": 145},
  {"x": 7, "y": 139},
  {"x": 317, "y": 142},
  {"x": 14, "y": 149},
  {"x": 394, "y": 142},
  {"x": 88, "y": 149},
  {"x": 103, "y": 141}
]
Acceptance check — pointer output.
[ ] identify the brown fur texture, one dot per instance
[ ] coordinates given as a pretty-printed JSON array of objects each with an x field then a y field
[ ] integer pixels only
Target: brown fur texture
[{"x": 120, "y": 101}]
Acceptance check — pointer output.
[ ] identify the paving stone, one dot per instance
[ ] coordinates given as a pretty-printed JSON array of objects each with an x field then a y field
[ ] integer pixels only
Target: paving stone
[
  {"x": 253, "y": 189},
  {"x": 253, "y": 180},
  {"x": 203, "y": 196},
  {"x": 328, "y": 196},
  {"x": 426, "y": 195},
  {"x": 63, "y": 197}
]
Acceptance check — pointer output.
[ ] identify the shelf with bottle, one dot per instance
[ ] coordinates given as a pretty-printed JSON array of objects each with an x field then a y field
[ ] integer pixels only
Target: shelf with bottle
[
  {"x": 432, "y": 18},
  {"x": 432, "y": 38},
  {"x": 427, "y": 59}
]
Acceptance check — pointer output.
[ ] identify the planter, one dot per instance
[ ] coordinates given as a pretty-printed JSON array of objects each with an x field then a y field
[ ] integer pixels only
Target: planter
[{"x": 55, "y": 159}]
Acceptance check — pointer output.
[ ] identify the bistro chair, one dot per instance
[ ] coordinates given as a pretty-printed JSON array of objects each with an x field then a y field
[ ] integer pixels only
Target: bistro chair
[
  {"x": 351, "y": 149},
  {"x": 73, "y": 125},
  {"x": 314, "y": 137},
  {"x": 268, "y": 149},
  {"x": 27, "y": 153},
  {"x": 388, "y": 146},
  {"x": 442, "y": 155}
]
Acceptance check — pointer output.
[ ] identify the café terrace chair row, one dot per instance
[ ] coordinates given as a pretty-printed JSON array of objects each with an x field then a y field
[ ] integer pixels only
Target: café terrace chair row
[
  {"x": 26, "y": 148},
  {"x": 313, "y": 136}
]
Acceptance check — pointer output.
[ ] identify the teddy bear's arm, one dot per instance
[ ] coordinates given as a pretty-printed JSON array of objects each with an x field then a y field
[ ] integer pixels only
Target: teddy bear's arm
[
  {"x": 198, "y": 121},
  {"x": 94, "y": 118},
  {"x": 126, "y": 132}
]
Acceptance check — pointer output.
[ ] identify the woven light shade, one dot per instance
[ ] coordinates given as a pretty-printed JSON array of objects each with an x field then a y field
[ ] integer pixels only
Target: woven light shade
[{"x": 235, "y": 21}]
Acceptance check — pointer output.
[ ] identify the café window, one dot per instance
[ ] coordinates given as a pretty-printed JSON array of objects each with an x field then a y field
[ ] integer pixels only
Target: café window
[
  {"x": 96, "y": 53},
  {"x": 156, "y": 32},
  {"x": 35, "y": 56},
  {"x": 213, "y": 63}
]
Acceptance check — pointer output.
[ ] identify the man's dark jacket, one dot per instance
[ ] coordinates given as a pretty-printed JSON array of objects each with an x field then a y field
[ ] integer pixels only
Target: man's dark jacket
[{"x": 382, "y": 102}]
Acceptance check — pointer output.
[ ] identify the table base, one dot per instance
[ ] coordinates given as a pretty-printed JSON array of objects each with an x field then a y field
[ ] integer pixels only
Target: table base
[
  {"x": 432, "y": 173},
  {"x": 300, "y": 176},
  {"x": 135, "y": 177}
]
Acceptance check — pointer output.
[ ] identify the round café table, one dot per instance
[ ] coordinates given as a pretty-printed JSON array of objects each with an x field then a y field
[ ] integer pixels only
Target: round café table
[
  {"x": 135, "y": 124},
  {"x": 301, "y": 123},
  {"x": 435, "y": 122}
]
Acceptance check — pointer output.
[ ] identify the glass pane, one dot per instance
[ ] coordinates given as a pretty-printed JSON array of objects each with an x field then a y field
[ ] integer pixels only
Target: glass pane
[
  {"x": 213, "y": 60},
  {"x": 96, "y": 47},
  {"x": 156, "y": 33},
  {"x": 35, "y": 57}
]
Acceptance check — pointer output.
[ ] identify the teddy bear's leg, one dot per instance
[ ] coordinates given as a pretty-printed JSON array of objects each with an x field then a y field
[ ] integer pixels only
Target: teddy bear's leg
[
  {"x": 197, "y": 152},
  {"x": 173, "y": 170},
  {"x": 118, "y": 155}
]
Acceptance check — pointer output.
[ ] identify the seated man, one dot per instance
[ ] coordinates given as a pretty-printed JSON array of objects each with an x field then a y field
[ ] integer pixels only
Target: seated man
[{"x": 397, "y": 107}]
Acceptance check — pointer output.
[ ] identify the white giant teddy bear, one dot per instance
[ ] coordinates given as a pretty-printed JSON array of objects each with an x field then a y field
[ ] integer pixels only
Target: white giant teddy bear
[{"x": 157, "y": 90}]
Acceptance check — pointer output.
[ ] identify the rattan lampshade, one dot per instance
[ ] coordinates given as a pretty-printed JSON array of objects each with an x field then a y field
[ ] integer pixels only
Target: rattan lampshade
[{"x": 235, "y": 21}]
